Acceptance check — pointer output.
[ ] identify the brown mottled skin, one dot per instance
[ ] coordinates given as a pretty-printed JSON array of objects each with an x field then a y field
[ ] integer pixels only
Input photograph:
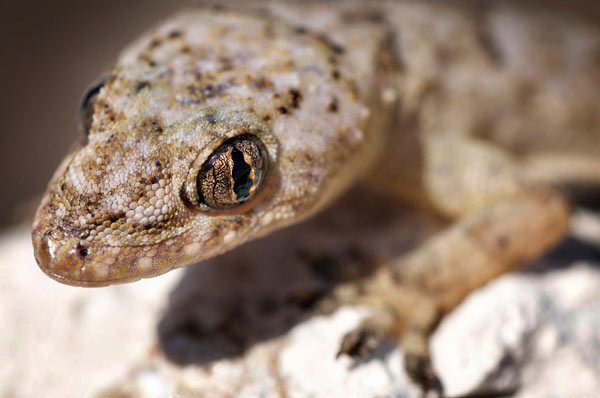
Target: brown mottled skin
[{"x": 479, "y": 114}]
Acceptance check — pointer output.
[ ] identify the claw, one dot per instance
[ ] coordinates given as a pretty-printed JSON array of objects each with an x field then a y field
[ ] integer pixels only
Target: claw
[
  {"x": 420, "y": 370},
  {"x": 360, "y": 342}
]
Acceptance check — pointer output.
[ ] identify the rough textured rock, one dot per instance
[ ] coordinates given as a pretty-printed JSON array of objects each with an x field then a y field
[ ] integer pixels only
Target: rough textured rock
[
  {"x": 522, "y": 329},
  {"x": 60, "y": 341},
  {"x": 300, "y": 365},
  {"x": 238, "y": 325}
]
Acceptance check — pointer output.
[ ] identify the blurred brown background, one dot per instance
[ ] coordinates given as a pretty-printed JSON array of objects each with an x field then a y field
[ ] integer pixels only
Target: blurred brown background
[{"x": 50, "y": 52}]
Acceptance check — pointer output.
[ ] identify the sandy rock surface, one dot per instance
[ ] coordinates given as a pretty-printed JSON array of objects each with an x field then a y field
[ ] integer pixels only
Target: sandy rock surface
[{"x": 241, "y": 325}]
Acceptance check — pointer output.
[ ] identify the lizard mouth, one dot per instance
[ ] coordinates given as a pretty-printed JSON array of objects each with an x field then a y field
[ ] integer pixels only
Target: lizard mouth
[
  {"x": 65, "y": 260},
  {"x": 61, "y": 255}
]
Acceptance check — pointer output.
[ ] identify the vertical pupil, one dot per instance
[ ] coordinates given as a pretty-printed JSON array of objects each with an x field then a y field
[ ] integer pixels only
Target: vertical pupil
[{"x": 241, "y": 175}]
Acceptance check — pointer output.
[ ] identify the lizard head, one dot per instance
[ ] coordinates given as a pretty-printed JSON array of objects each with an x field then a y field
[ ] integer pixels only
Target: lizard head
[
  {"x": 136, "y": 202},
  {"x": 194, "y": 147}
]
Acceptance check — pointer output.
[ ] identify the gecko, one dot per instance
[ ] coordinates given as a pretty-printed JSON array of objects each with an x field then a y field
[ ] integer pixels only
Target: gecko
[{"x": 222, "y": 125}]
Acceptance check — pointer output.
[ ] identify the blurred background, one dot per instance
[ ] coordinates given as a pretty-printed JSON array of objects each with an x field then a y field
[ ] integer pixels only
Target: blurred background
[{"x": 51, "y": 51}]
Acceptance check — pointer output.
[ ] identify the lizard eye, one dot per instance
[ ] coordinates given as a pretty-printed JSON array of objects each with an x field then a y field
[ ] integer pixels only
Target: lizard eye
[
  {"x": 86, "y": 112},
  {"x": 232, "y": 174}
]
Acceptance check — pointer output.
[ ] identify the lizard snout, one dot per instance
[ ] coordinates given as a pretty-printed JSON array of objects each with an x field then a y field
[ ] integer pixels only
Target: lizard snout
[{"x": 60, "y": 257}]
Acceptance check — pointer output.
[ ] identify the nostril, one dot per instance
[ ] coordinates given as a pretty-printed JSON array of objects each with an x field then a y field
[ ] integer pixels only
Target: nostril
[
  {"x": 59, "y": 256},
  {"x": 82, "y": 251}
]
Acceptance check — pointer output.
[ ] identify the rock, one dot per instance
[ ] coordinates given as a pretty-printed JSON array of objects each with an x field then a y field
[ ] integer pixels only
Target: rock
[
  {"x": 63, "y": 341},
  {"x": 301, "y": 364},
  {"x": 502, "y": 317},
  {"x": 532, "y": 333},
  {"x": 238, "y": 325}
]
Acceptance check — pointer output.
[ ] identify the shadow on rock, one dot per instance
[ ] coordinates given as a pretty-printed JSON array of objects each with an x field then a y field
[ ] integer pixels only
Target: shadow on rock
[
  {"x": 224, "y": 305},
  {"x": 259, "y": 291}
]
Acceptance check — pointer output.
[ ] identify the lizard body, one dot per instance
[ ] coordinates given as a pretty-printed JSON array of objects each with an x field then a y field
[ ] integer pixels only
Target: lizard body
[{"x": 218, "y": 127}]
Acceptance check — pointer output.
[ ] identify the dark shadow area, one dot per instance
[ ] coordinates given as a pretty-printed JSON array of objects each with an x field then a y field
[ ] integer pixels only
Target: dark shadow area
[
  {"x": 575, "y": 249},
  {"x": 570, "y": 250},
  {"x": 224, "y": 305},
  {"x": 584, "y": 196}
]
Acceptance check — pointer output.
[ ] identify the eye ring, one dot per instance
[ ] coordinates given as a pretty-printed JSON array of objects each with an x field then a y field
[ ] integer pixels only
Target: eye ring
[{"x": 232, "y": 174}]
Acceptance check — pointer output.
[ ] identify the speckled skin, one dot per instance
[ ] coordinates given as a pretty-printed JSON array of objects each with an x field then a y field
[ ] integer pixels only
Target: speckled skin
[
  {"x": 474, "y": 112},
  {"x": 172, "y": 98}
]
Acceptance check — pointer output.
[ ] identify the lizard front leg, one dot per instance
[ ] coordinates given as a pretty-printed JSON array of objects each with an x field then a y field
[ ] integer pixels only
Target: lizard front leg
[{"x": 502, "y": 221}]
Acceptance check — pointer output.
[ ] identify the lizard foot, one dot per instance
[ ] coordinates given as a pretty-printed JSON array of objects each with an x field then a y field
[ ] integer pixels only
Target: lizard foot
[
  {"x": 360, "y": 343},
  {"x": 410, "y": 325}
]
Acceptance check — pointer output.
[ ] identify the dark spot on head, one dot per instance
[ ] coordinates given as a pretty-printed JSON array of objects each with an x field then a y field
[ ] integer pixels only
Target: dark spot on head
[
  {"x": 266, "y": 118},
  {"x": 174, "y": 34},
  {"x": 114, "y": 217},
  {"x": 82, "y": 250},
  {"x": 490, "y": 45},
  {"x": 503, "y": 241},
  {"x": 141, "y": 85},
  {"x": 156, "y": 127},
  {"x": 185, "y": 49},
  {"x": 261, "y": 83},
  {"x": 151, "y": 126},
  {"x": 210, "y": 118},
  {"x": 301, "y": 30},
  {"x": 155, "y": 43},
  {"x": 211, "y": 90},
  {"x": 283, "y": 110},
  {"x": 333, "y": 46},
  {"x": 335, "y": 74},
  {"x": 145, "y": 57},
  {"x": 333, "y": 105},
  {"x": 226, "y": 63},
  {"x": 296, "y": 97}
]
